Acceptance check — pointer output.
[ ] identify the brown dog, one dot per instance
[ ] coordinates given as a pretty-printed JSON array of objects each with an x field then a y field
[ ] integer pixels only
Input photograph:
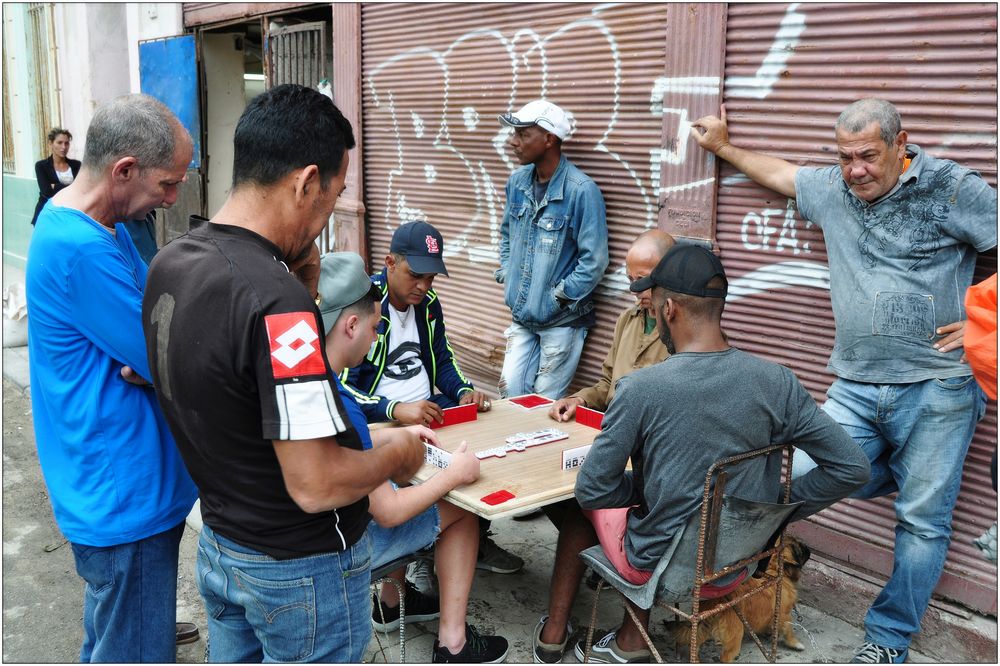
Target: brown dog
[{"x": 726, "y": 628}]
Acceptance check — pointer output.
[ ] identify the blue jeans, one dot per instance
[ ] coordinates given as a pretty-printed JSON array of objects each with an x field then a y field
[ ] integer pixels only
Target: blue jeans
[
  {"x": 130, "y": 599},
  {"x": 540, "y": 361},
  {"x": 313, "y": 608},
  {"x": 916, "y": 437},
  {"x": 392, "y": 543}
]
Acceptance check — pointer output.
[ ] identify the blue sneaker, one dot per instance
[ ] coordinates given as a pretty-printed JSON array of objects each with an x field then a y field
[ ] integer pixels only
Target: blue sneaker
[{"x": 870, "y": 653}]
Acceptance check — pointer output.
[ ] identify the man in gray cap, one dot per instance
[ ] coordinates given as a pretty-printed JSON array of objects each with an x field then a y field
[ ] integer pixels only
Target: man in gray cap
[
  {"x": 553, "y": 252},
  {"x": 406, "y": 519}
]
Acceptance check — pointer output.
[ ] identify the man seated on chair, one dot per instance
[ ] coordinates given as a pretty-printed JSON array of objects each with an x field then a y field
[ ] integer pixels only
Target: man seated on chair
[
  {"x": 412, "y": 357},
  {"x": 406, "y": 519},
  {"x": 705, "y": 402},
  {"x": 635, "y": 343}
]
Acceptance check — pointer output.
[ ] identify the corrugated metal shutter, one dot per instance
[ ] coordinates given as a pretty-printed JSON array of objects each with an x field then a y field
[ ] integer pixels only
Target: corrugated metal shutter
[
  {"x": 790, "y": 69},
  {"x": 435, "y": 77}
]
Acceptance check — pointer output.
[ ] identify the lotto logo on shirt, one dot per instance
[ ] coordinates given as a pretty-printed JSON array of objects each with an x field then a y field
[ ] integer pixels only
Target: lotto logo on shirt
[{"x": 295, "y": 345}]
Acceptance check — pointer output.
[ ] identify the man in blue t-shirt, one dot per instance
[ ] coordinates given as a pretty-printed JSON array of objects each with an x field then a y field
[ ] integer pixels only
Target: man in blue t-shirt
[
  {"x": 902, "y": 230},
  {"x": 118, "y": 487}
]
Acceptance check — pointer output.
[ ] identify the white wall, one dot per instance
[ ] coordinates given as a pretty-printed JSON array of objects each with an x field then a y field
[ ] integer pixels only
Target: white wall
[
  {"x": 92, "y": 56},
  {"x": 149, "y": 20},
  {"x": 17, "y": 73}
]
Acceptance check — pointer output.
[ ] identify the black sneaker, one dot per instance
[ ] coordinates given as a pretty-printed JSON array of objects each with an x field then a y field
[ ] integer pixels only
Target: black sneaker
[
  {"x": 494, "y": 558},
  {"x": 870, "y": 653},
  {"x": 419, "y": 608},
  {"x": 478, "y": 649}
]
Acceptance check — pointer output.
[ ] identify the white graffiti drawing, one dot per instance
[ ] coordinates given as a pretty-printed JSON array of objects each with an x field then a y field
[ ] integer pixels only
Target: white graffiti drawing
[
  {"x": 527, "y": 52},
  {"x": 437, "y": 138},
  {"x": 759, "y": 227},
  {"x": 781, "y": 275},
  {"x": 762, "y": 83}
]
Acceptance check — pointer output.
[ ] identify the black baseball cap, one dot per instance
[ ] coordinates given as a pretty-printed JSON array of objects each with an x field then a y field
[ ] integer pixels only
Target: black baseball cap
[
  {"x": 422, "y": 246},
  {"x": 686, "y": 269}
]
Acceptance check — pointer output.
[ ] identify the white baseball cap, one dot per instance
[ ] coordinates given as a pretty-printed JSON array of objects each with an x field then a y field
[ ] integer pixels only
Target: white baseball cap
[{"x": 546, "y": 115}]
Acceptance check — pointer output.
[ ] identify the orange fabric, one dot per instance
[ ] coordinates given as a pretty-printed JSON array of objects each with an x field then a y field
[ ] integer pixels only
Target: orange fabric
[
  {"x": 981, "y": 333},
  {"x": 906, "y": 164}
]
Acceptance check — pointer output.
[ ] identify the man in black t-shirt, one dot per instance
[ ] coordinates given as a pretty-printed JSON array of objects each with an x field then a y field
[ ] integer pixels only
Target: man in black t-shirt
[{"x": 236, "y": 350}]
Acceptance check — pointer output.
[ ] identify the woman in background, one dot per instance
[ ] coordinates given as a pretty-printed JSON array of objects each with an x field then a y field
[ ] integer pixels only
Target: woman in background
[{"x": 56, "y": 171}]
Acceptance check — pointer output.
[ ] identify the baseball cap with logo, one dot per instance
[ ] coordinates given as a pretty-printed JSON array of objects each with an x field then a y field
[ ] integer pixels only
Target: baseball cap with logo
[
  {"x": 686, "y": 269},
  {"x": 422, "y": 246},
  {"x": 546, "y": 115},
  {"x": 342, "y": 282}
]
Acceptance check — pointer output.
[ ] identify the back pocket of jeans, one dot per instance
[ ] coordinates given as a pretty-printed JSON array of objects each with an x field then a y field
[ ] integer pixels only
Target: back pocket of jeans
[
  {"x": 95, "y": 565},
  {"x": 285, "y": 610}
]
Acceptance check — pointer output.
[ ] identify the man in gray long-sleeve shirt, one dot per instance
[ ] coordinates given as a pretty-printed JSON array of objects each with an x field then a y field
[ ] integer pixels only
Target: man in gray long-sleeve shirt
[{"x": 705, "y": 402}]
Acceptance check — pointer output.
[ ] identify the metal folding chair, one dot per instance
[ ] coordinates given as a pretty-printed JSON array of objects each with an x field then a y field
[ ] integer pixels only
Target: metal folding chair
[{"x": 717, "y": 543}]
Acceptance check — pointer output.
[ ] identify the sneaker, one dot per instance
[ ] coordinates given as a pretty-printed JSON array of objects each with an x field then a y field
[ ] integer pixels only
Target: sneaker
[
  {"x": 606, "y": 651},
  {"x": 548, "y": 653},
  {"x": 870, "y": 653},
  {"x": 494, "y": 558},
  {"x": 479, "y": 649},
  {"x": 421, "y": 575},
  {"x": 419, "y": 608}
]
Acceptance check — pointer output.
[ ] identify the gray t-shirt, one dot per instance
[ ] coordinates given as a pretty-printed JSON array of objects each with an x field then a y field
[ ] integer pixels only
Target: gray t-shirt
[
  {"x": 674, "y": 419},
  {"x": 899, "y": 267}
]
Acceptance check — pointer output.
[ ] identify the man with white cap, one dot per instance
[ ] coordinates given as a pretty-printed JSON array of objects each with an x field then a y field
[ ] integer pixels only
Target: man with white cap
[{"x": 553, "y": 252}]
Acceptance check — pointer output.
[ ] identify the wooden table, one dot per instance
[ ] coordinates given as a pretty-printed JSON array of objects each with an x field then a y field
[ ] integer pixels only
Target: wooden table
[{"x": 535, "y": 475}]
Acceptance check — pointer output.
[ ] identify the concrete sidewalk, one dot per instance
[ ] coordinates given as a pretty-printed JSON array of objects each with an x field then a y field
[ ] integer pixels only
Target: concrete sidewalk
[{"x": 42, "y": 594}]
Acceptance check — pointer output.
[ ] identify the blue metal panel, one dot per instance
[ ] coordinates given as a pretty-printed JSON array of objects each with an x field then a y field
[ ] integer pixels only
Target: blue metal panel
[{"x": 168, "y": 70}]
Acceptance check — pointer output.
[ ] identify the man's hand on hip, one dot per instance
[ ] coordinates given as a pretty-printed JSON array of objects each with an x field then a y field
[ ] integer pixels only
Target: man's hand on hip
[{"x": 953, "y": 337}]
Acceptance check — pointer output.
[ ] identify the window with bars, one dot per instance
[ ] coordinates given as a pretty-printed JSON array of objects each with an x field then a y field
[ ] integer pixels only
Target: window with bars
[
  {"x": 8, "y": 129},
  {"x": 42, "y": 44}
]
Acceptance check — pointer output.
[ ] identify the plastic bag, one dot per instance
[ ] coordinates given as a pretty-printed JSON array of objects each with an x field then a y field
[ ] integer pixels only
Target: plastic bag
[{"x": 15, "y": 316}]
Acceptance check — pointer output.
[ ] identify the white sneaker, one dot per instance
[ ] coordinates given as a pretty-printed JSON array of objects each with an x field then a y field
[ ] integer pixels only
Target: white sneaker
[{"x": 421, "y": 575}]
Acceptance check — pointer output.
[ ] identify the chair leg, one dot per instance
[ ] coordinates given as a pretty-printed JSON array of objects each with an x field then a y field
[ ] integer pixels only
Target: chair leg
[
  {"x": 402, "y": 616},
  {"x": 593, "y": 622},
  {"x": 756, "y": 639},
  {"x": 642, "y": 631},
  {"x": 693, "y": 656}
]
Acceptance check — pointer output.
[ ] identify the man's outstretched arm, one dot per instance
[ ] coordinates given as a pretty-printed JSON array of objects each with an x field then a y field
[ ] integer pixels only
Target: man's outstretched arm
[{"x": 772, "y": 172}]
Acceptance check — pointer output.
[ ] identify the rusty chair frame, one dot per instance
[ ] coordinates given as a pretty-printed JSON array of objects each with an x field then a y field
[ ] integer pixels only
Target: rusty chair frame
[
  {"x": 708, "y": 520},
  {"x": 380, "y": 576}
]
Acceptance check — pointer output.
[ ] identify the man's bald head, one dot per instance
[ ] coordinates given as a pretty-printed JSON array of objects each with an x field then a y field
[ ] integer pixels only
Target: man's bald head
[
  {"x": 643, "y": 256},
  {"x": 651, "y": 244}
]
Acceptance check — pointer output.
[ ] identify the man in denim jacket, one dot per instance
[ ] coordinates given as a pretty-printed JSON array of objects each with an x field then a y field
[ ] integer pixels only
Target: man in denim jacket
[{"x": 553, "y": 252}]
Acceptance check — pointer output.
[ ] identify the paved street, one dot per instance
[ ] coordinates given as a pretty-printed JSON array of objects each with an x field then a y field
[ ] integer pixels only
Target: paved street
[{"x": 42, "y": 594}]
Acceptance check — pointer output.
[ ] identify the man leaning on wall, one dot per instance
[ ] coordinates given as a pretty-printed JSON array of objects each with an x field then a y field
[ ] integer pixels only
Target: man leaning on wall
[{"x": 902, "y": 230}]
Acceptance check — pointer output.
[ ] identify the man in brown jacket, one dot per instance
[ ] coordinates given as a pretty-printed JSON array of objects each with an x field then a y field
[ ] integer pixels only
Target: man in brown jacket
[{"x": 635, "y": 344}]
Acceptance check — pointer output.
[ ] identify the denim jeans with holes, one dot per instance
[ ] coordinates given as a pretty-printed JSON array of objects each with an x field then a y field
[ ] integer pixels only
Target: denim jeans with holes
[
  {"x": 540, "y": 361},
  {"x": 314, "y": 608},
  {"x": 916, "y": 437},
  {"x": 130, "y": 599}
]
